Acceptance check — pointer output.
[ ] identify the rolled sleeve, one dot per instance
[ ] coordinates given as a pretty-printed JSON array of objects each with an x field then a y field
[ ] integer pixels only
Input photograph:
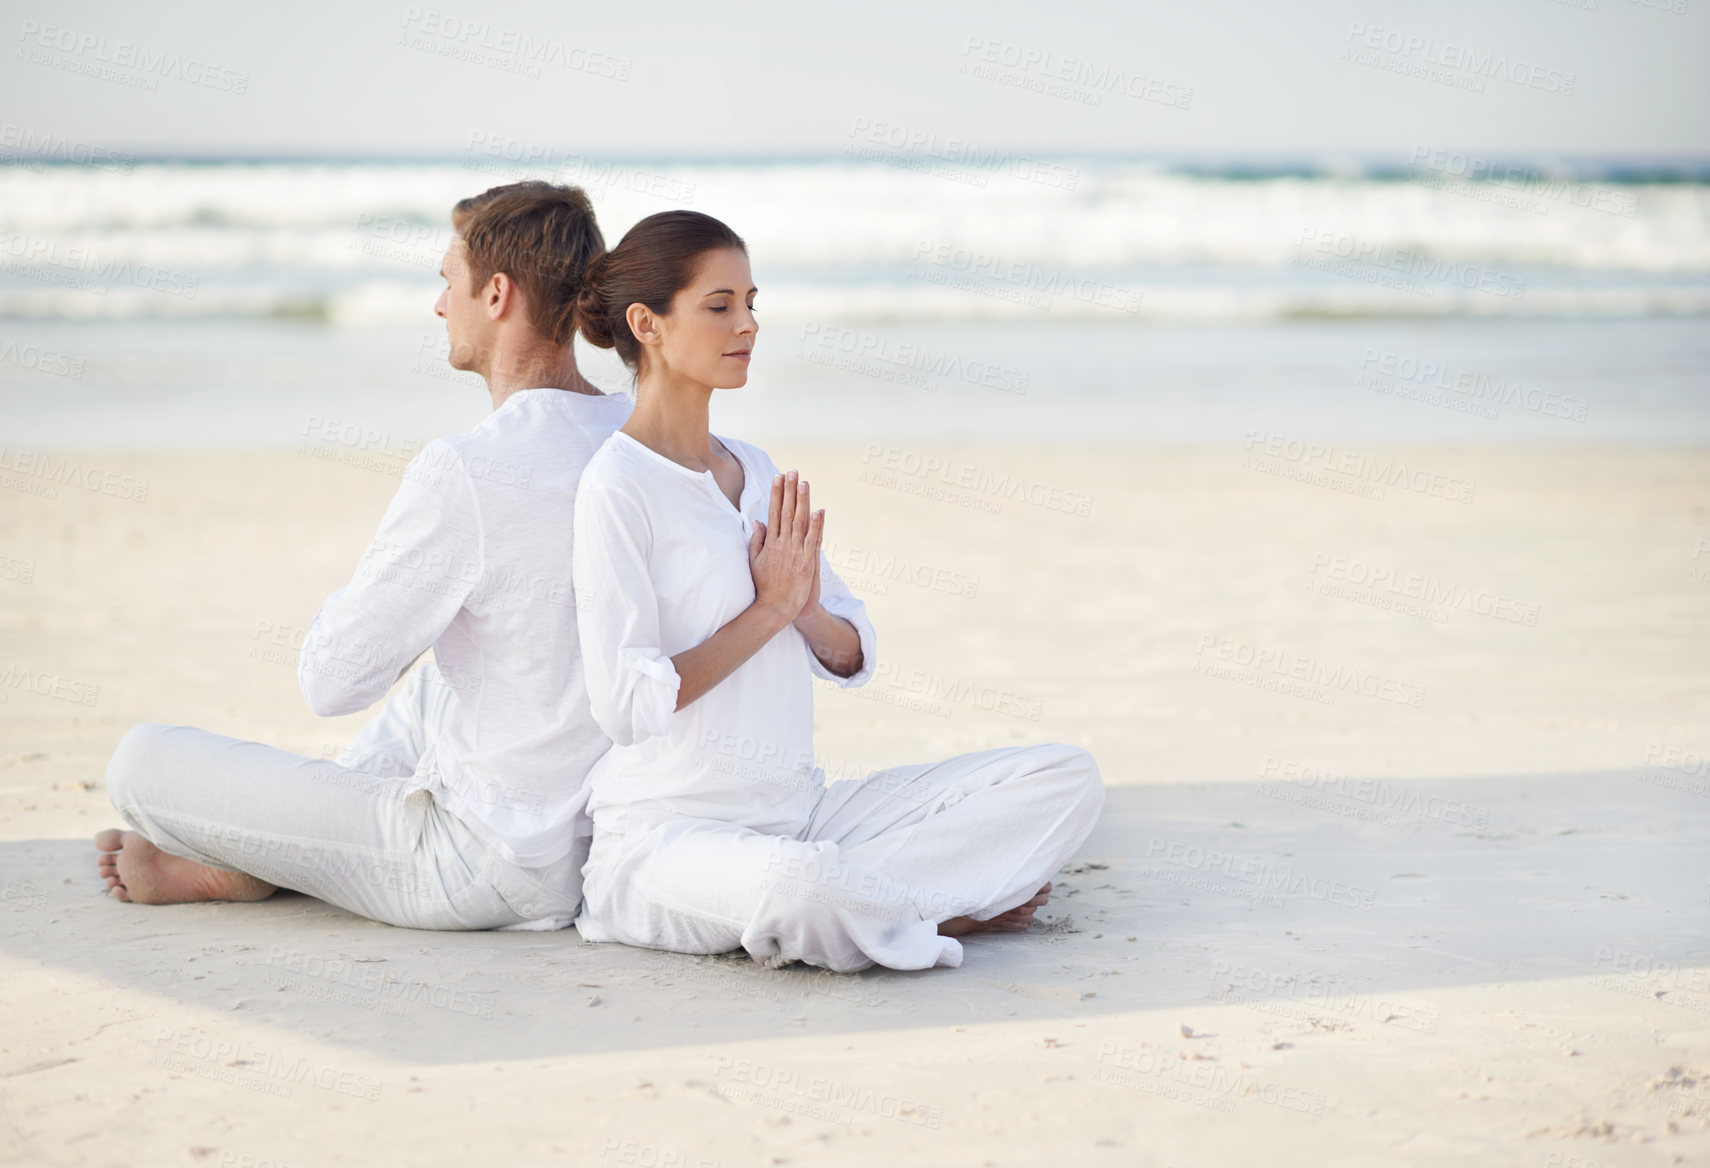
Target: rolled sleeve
[
  {"x": 632, "y": 685},
  {"x": 835, "y": 598},
  {"x": 653, "y": 683}
]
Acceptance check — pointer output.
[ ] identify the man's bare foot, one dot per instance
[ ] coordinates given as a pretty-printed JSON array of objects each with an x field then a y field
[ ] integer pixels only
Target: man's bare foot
[
  {"x": 137, "y": 871},
  {"x": 1015, "y": 920}
]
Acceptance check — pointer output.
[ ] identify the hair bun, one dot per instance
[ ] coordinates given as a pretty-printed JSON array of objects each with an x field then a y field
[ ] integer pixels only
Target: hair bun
[
  {"x": 654, "y": 261},
  {"x": 591, "y": 304}
]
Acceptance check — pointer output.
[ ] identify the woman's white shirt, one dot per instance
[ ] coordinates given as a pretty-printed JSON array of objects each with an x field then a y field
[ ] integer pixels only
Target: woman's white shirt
[{"x": 661, "y": 564}]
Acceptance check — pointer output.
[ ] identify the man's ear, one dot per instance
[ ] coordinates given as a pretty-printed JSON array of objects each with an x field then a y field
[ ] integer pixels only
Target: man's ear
[{"x": 499, "y": 296}]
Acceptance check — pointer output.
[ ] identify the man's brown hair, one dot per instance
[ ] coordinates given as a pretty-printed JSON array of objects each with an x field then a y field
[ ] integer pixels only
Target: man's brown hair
[{"x": 540, "y": 235}]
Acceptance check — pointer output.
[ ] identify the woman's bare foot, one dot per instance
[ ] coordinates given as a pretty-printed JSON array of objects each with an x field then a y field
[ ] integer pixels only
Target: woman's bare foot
[
  {"x": 1015, "y": 920},
  {"x": 137, "y": 871}
]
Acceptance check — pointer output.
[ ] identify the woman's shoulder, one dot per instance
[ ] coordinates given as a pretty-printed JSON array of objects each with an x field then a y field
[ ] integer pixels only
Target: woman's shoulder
[
  {"x": 749, "y": 454},
  {"x": 615, "y": 467}
]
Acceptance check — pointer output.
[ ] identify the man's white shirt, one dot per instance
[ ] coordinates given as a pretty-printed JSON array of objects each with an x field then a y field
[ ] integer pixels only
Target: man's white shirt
[{"x": 474, "y": 560}]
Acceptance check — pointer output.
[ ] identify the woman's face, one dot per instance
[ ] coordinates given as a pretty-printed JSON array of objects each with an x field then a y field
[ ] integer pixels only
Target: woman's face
[{"x": 709, "y": 334}]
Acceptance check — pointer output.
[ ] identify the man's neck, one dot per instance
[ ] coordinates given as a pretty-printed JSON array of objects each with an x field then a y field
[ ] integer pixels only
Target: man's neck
[{"x": 513, "y": 372}]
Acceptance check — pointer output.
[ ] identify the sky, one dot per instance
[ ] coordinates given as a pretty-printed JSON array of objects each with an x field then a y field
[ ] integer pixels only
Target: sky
[{"x": 1325, "y": 80}]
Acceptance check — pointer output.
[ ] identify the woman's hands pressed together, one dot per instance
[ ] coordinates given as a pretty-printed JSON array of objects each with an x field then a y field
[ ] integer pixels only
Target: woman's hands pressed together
[
  {"x": 783, "y": 555},
  {"x": 786, "y": 576},
  {"x": 783, "y": 552}
]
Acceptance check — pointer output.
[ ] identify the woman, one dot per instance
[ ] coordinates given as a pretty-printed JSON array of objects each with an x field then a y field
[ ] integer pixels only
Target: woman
[{"x": 704, "y": 608}]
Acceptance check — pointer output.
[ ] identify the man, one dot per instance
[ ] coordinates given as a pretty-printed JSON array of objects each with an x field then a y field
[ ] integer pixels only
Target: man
[{"x": 461, "y": 805}]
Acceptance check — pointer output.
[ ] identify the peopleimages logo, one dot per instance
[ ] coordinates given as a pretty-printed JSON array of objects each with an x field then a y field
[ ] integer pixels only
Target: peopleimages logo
[
  {"x": 48, "y": 685},
  {"x": 1029, "y": 283},
  {"x": 1257, "y": 872},
  {"x": 1270, "y": 667},
  {"x": 40, "y": 360},
  {"x": 513, "y": 159},
  {"x": 88, "y": 53},
  {"x": 83, "y": 270},
  {"x": 987, "y": 489},
  {"x": 196, "y": 1051},
  {"x": 1389, "y": 260},
  {"x": 1471, "y": 176},
  {"x": 868, "y": 352},
  {"x": 1436, "y": 383},
  {"x": 1462, "y": 66},
  {"x": 1076, "y": 78},
  {"x": 910, "y": 140},
  {"x": 511, "y": 50},
  {"x": 876, "y": 570},
  {"x": 1277, "y": 453},
  {"x": 832, "y": 1099},
  {"x": 1432, "y": 595},
  {"x": 1377, "y": 794},
  {"x": 52, "y": 472},
  {"x": 34, "y": 146}
]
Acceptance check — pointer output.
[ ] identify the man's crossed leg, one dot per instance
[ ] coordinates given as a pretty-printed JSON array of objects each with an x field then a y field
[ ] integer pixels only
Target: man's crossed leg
[{"x": 217, "y": 818}]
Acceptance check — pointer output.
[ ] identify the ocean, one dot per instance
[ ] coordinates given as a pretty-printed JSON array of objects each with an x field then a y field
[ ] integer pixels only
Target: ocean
[{"x": 235, "y": 305}]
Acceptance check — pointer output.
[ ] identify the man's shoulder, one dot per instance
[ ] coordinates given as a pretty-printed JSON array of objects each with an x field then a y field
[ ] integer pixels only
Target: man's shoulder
[
  {"x": 552, "y": 412},
  {"x": 544, "y": 441},
  {"x": 437, "y": 460}
]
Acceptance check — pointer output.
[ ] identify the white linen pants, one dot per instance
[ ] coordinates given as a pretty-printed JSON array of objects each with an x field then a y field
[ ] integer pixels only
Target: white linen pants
[
  {"x": 881, "y": 861},
  {"x": 360, "y": 832}
]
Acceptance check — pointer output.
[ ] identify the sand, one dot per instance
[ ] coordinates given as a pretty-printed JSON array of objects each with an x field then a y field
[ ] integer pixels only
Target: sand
[{"x": 1408, "y": 874}]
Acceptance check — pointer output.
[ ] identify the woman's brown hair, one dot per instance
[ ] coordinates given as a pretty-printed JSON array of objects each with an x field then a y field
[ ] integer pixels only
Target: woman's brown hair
[{"x": 653, "y": 262}]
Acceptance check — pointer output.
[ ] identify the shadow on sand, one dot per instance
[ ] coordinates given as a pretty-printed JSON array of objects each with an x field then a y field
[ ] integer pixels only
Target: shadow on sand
[{"x": 1302, "y": 900}]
